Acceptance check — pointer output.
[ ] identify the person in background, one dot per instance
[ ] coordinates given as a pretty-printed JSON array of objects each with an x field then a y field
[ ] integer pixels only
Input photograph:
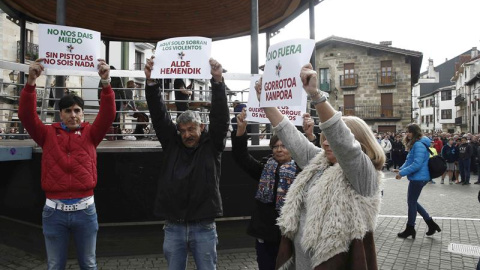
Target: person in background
[
  {"x": 434, "y": 153},
  {"x": 450, "y": 154},
  {"x": 274, "y": 177},
  {"x": 464, "y": 158},
  {"x": 397, "y": 152},
  {"x": 182, "y": 95},
  {"x": 416, "y": 170},
  {"x": 69, "y": 168},
  {"x": 387, "y": 148}
]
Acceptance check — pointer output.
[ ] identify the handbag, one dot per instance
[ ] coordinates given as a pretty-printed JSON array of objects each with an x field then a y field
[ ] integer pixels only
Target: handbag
[{"x": 436, "y": 165}]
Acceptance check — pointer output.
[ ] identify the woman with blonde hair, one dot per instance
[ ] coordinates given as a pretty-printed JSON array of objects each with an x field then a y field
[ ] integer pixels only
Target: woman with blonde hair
[{"x": 331, "y": 209}]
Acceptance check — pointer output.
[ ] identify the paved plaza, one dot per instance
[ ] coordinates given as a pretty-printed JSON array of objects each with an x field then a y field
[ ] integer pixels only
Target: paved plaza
[{"x": 454, "y": 207}]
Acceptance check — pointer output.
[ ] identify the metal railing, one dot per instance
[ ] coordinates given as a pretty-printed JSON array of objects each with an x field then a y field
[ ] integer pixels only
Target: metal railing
[
  {"x": 374, "y": 112},
  {"x": 459, "y": 99},
  {"x": 386, "y": 79},
  {"x": 31, "y": 51},
  {"x": 349, "y": 81}
]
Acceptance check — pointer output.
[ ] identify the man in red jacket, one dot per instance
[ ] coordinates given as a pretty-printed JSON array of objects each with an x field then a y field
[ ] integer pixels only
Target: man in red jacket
[{"x": 69, "y": 168}]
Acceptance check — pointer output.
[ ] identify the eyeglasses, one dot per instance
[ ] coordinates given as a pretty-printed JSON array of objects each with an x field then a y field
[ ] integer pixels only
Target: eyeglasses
[{"x": 279, "y": 147}]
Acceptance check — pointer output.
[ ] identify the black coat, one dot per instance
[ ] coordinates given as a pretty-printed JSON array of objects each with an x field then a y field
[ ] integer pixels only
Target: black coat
[
  {"x": 188, "y": 188},
  {"x": 263, "y": 223}
]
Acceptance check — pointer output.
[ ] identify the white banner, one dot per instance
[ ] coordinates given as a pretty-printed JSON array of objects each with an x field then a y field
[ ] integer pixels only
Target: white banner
[
  {"x": 183, "y": 57},
  {"x": 256, "y": 114},
  {"x": 281, "y": 80},
  {"x": 68, "y": 48}
]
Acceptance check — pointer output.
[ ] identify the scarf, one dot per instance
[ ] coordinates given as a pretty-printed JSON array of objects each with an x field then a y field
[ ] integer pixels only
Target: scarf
[{"x": 268, "y": 189}]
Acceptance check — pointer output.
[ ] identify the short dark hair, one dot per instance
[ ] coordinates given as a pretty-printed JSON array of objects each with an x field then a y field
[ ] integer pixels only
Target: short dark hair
[
  {"x": 273, "y": 141},
  {"x": 70, "y": 100}
]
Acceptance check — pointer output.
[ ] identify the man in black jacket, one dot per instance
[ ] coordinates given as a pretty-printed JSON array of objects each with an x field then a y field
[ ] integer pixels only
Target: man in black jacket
[
  {"x": 464, "y": 156},
  {"x": 188, "y": 195}
]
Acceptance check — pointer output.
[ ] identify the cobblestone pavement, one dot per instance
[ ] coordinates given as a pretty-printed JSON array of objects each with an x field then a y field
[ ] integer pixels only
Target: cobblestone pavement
[{"x": 454, "y": 207}]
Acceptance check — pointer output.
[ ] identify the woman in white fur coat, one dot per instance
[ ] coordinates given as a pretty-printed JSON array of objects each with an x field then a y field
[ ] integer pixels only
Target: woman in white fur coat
[{"x": 331, "y": 209}]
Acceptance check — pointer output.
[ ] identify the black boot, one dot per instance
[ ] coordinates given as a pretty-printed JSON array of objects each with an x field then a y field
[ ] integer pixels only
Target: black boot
[
  {"x": 432, "y": 227},
  {"x": 410, "y": 230}
]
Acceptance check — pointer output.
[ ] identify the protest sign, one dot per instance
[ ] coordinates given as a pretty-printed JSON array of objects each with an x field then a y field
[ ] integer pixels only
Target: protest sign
[
  {"x": 281, "y": 80},
  {"x": 68, "y": 48},
  {"x": 256, "y": 114},
  {"x": 183, "y": 57}
]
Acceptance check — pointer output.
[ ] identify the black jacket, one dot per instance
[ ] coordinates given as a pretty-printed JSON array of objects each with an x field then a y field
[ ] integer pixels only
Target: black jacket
[
  {"x": 264, "y": 217},
  {"x": 188, "y": 188}
]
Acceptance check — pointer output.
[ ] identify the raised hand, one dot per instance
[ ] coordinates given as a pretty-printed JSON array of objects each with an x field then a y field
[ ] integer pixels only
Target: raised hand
[
  {"x": 35, "y": 70},
  {"x": 258, "y": 88},
  {"x": 103, "y": 69},
  {"x": 216, "y": 70},
  {"x": 308, "y": 125},
  {"x": 309, "y": 79},
  {"x": 148, "y": 67},
  {"x": 242, "y": 122}
]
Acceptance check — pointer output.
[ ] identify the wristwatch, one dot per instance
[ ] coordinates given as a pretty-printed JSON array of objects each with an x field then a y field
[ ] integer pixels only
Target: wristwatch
[
  {"x": 106, "y": 82},
  {"x": 322, "y": 98}
]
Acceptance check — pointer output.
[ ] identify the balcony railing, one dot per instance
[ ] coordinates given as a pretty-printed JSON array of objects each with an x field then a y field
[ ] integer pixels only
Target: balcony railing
[
  {"x": 326, "y": 86},
  {"x": 349, "y": 81},
  {"x": 385, "y": 79},
  {"x": 459, "y": 99},
  {"x": 31, "y": 51},
  {"x": 374, "y": 112},
  {"x": 460, "y": 121},
  {"x": 138, "y": 66}
]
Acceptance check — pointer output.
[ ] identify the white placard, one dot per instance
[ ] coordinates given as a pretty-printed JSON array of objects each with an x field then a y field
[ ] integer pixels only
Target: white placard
[
  {"x": 183, "y": 57},
  {"x": 281, "y": 80},
  {"x": 256, "y": 114},
  {"x": 68, "y": 48}
]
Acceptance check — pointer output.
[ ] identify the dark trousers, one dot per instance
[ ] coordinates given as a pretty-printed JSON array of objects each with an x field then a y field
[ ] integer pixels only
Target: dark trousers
[
  {"x": 464, "y": 166},
  {"x": 266, "y": 254},
  {"x": 414, "y": 190}
]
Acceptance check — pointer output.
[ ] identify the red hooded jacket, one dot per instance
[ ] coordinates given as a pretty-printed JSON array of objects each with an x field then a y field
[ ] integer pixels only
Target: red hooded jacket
[{"x": 69, "y": 159}]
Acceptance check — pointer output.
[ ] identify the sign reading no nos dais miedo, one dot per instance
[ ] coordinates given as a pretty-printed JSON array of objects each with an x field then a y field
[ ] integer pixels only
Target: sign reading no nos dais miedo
[
  {"x": 183, "y": 57},
  {"x": 69, "y": 48},
  {"x": 281, "y": 84},
  {"x": 257, "y": 114}
]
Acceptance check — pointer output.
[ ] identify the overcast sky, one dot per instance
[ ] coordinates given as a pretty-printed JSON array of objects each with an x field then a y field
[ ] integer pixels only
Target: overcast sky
[{"x": 440, "y": 29}]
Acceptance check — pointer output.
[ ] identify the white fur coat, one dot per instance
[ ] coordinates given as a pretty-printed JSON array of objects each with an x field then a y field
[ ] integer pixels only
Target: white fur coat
[{"x": 335, "y": 213}]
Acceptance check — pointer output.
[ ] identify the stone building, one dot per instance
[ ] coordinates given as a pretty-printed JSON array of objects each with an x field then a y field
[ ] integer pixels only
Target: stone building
[{"x": 371, "y": 81}]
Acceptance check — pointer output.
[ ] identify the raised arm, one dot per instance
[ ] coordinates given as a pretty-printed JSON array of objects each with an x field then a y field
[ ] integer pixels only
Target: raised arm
[
  {"x": 164, "y": 127},
  {"x": 219, "y": 114},
  {"x": 297, "y": 144},
  {"x": 27, "y": 109},
  {"x": 356, "y": 165},
  {"x": 240, "y": 152},
  {"x": 106, "y": 113}
]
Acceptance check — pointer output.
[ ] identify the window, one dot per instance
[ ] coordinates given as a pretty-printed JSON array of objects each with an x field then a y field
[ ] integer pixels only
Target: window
[
  {"x": 447, "y": 114},
  {"x": 431, "y": 118},
  {"x": 427, "y": 103},
  {"x": 387, "y": 105},
  {"x": 349, "y": 104},
  {"x": 324, "y": 79},
  {"x": 423, "y": 119},
  {"x": 29, "y": 36},
  {"x": 386, "y": 72},
  {"x": 447, "y": 95},
  {"x": 139, "y": 65},
  {"x": 349, "y": 73}
]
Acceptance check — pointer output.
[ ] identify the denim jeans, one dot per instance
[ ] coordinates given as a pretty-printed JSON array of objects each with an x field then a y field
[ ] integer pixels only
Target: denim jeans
[
  {"x": 464, "y": 167},
  {"x": 414, "y": 190},
  {"x": 198, "y": 237},
  {"x": 57, "y": 228},
  {"x": 266, "y": 255}
]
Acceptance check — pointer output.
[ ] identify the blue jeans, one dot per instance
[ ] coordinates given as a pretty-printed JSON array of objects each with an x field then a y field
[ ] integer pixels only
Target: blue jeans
[
  {"x": 198, "y": 237},
  {"x": 414, "y": 190},
  {"x": 57, "y": 228},
  {"x": 464, "y": 167},
  {"x": 266, "y": 254}
]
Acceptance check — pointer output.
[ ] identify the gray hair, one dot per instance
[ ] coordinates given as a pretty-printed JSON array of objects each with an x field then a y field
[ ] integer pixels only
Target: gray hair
[{"x": 188, "y": 117}]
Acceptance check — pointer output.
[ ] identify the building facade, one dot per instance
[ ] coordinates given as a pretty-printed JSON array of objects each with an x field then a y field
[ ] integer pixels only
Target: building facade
[{"x": 371, "y": 81}]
